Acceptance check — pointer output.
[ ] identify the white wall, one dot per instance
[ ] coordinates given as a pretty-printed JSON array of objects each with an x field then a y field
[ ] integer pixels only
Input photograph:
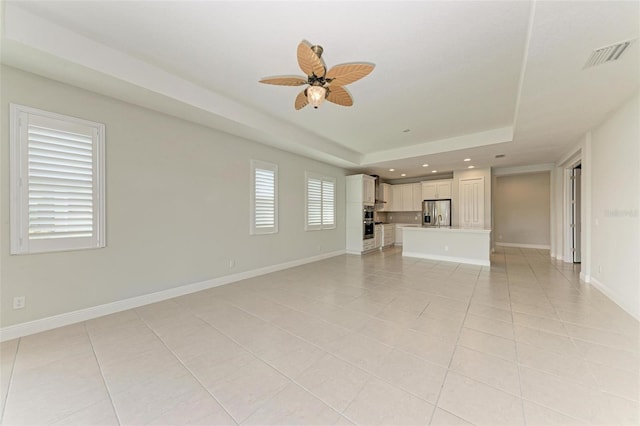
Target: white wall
[
  {"x": 177, "y": 207},
  {"x": 521, "y": 209},
  {"x": 615, "y": 206}
]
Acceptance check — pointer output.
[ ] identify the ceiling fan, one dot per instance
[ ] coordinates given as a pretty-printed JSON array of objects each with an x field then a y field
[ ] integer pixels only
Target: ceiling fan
[{"x": 323, "y": 84}]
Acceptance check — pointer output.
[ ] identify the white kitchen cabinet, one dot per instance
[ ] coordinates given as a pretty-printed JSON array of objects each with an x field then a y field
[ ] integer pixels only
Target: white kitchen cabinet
[
  {"x": 385, "y": 192},
  {"x": 436, "y": 189},
  {"x": 388, "y": 235},
  {"x": 396, "y": 198},
  {"x": 368, "y": 244},
  {"x": 471, "y": 203},
  {"x": 407, "y": 197},
  {"x": 377, "y": 232},
  {"x": 361, "y": 189},
  {"x": 397, "y": 237},
  {"x": 417, "y": 197},
  {"x": 368, "y": 190},
  {"x": 359, "y": 194}
]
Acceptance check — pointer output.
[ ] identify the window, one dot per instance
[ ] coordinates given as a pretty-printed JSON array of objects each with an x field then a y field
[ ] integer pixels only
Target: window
[
  {"x": 57, "y": 182},
  {"x": 264, "y": 197},
  {"x": 321, "y": 202}
]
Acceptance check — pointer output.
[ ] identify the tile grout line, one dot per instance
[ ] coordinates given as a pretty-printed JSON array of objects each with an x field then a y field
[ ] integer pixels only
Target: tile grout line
[
  {"x": 6, "y": 397},
  {"x": 371, "y": 373},
  {"x": 185, "y": 367},
  {"x": 444, "y": 380},
  {"x": 95, "y": 355},
  {"x": 595, "y": 381},
  {"x": 515, "y": 343}
]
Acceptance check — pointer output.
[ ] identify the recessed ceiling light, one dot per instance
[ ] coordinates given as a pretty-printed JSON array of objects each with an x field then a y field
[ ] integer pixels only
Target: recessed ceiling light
[
  {"x": 467, "y": 159},
  {"x": 406, "y": 130},
  {"x": 471, "y": 167},
  {"x": 434, "y": 171},
  {"x": 425, "y": 165},
  {"x": 403, "y": 174},
  {"x": 392, "y": 170}
]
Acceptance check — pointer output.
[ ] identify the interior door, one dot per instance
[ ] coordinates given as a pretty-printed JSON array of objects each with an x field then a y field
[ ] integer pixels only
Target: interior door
[
  {"x": 471, "y": 201},
  {"x": 576, "y": 228}
]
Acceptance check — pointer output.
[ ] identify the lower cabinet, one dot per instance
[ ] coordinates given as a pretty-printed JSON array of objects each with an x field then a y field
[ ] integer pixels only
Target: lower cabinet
[
  {"x": 378, "y": 236},
  {"x": 369, "y": 244},
  {"x": 398, "y": 235},
  {"x": 388, "y": 235}
]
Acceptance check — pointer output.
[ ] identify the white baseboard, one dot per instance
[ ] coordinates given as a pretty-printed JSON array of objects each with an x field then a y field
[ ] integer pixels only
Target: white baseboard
[
  {"x": 531, "y": 246},
  {"x": 620, "y": 301},
  {"x": 469, "y": 261},
  {"x": 44, "y": 324}
]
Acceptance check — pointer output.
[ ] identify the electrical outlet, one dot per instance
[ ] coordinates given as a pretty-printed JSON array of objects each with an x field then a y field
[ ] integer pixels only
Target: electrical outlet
[
  {"x": 232, "y": 263},
  {"x": 19, "y": 302},
  {"x": 599, "y": 269},
  {"x": 446, "y": 248}
]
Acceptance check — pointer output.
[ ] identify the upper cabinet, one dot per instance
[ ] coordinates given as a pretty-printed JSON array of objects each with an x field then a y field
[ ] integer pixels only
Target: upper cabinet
[
  {"x": 417, "y": 197},
  {"x": 396, "y": 198},
  {"x": 385, "y": 192},
  {"x": 361, "y": 189},
  {"x": 436, "y": 189},
  {"x": 368, "y": 190},
  {"x": 405, "y": 198}
]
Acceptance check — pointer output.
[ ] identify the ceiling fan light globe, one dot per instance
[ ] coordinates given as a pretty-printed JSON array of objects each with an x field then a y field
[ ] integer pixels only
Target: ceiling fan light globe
[{"x": 316, "y": 95}]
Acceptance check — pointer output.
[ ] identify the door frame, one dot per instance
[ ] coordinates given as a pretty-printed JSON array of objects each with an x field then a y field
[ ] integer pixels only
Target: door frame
[{"x": 567, "y": 254}]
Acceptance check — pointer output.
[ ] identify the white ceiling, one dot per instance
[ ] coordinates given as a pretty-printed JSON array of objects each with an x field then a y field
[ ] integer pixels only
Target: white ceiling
[{"x": 469, "y": 79}]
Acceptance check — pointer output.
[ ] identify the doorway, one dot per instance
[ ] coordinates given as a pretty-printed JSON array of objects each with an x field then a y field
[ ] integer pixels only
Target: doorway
[{"x": 576, "y": 227}]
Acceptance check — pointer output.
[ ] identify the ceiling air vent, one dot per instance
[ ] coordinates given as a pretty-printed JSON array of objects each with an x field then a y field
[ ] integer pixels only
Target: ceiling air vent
[{"x": 607, "y": 54}]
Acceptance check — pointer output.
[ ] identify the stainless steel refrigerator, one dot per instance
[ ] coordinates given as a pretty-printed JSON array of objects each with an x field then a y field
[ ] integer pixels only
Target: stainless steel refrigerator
[{"x": 436, "y": 212}]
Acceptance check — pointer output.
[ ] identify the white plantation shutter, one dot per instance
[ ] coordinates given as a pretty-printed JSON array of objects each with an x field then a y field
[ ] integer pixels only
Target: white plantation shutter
[
  {"x": 328, "y": 203},
  {"x": 264, "y": 198},
  {"x": 314, "y": 203},
  {"x": 57, "y": 182},
  {"x": 321, "y": 200},
  {"x": 60, "y": 183}
]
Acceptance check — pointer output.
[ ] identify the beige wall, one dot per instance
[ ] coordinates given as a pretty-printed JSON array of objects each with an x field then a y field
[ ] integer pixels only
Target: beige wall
[
  {"x": 177, "y": 207},
  {"x": 521, "y": 209}
]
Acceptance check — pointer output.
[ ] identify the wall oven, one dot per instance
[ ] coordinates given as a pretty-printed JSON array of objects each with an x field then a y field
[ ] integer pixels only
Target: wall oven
[{"x": 367, "y": 223}]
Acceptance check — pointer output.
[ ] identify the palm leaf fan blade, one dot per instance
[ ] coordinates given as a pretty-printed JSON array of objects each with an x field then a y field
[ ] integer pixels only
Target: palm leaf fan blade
[
  {"x": 341, "y": 75},
  {"x": 301, "y": 100},
  {"x": 338, "y": 95},
  {"x": 309, "y": 62},
  {"x": 284, "y": 81}
]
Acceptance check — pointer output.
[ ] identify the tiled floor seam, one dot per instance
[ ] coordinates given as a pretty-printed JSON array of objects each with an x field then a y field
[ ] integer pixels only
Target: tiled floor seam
[
  {"x": 444, "y": 380},
  {"x": 13, "y": 364},
  {"x": 259, "y": 358},
  {"x": 104, "y": 382},
  {"x": 292, "y": 380},
  {"x": 188, "y": 369},
  {"x": 571, "y": 338},
  {"x": 515, "y": 344}
]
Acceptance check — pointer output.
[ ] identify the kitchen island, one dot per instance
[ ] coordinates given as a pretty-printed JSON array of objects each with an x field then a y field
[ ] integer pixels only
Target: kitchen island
[{"x": 462, "y": 245}]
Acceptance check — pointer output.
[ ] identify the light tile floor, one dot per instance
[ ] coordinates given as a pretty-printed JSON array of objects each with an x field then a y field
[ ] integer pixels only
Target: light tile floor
[{"x": 372, "y": 340}]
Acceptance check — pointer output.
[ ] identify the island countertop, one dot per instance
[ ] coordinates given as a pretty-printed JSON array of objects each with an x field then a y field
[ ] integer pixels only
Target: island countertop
[
  {"x": 451, "y": 244},
  {"x": 448, "y": 229}
]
